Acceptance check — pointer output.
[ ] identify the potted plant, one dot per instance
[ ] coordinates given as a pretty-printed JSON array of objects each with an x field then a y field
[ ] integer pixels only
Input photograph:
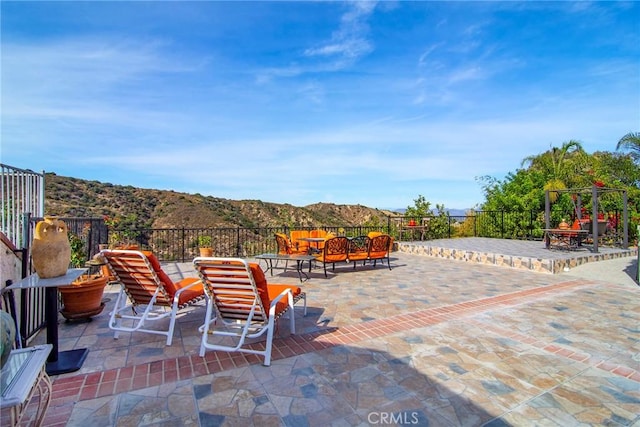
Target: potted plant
[
  {"x": 83, "y": 298},
  {"x": 204, "y": 243}
]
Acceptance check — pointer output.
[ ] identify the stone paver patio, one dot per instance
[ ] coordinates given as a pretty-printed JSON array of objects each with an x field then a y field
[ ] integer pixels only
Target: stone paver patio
[{"x": 433, "y": 342}]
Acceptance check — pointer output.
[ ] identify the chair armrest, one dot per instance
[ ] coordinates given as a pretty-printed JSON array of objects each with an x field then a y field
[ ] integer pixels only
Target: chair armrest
[{"x": 272, "y": 307}]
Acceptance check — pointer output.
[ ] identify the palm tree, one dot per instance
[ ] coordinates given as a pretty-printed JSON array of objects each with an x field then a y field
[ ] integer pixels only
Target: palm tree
[
  {"x": 558, "y": 165},
  {"x": 631, "y": 142}
]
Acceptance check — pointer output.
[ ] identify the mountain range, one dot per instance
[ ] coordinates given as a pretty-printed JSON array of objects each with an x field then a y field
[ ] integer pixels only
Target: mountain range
[{"x": 149, "y": 208}]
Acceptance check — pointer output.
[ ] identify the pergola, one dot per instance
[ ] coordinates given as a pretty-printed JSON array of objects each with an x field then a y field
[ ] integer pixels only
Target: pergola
[{"x": 595, "y": 192}]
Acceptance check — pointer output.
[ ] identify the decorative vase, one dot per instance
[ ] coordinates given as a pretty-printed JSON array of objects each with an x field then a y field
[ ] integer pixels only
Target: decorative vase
[
  {"x": 83, "y": 298},
  {"x": 51, "y": 250},
  {"x": 7, "y": 336}
]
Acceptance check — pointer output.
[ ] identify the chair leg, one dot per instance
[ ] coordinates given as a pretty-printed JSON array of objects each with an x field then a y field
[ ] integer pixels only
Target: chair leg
[
  {"x": 205, "y": 327},
  {"x": 292, "y": 317},
  {"x": 115, "y": 320},
  {"x": 269, "y": 343},
  {"x": 172, "y": 323}
]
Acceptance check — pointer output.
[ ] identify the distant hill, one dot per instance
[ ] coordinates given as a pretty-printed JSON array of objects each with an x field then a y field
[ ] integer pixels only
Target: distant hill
[{"x": 66, "y": 196}]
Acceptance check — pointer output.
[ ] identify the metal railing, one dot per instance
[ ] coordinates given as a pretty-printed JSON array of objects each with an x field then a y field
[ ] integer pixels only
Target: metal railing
[
  {"x": 181, "y": 244},
  {"x": 21, "y": 195},
  {"x": 21, "y": 192}
]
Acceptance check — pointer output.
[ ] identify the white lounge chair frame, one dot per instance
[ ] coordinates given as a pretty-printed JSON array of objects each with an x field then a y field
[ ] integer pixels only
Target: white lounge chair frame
[
  {"x": 233, "y": 299},
  {"x": 145, "y": 291}
]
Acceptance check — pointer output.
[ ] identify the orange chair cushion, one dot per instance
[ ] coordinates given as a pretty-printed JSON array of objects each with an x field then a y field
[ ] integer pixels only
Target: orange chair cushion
[
  {"x": 358, "y": 256},
  {"x": 299, "y": 246},
  {"x": 270, "y": 292},
  {"x": 172, "y": 287},
  {"x": 332, "y": 257},
  {"x": 196, "y": 291},
  {"x": 373, "y": 234}
]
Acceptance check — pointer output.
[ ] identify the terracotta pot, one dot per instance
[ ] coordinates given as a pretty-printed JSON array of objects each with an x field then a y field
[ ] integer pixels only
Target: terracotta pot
[
  {"x": 206, "y": 252},
  {"x": 83, "y": 298}
]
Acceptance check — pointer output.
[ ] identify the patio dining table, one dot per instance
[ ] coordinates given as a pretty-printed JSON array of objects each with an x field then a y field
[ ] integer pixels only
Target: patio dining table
[
  {"x": 269, "y": 259},
  {"x": 315, "y": 240},
  {"x": 565, "y": 238}
]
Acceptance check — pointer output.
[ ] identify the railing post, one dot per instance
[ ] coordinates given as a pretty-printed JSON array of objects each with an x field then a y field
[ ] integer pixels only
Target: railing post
[
  {"x": 238, "y": 247},
  {"x": 502, "y": 224},
  {"x": 26, "y": 243},
  {"x": 530, "y": 233},
  {"x": 89, "y": 240},
  {"x": 182, "y": 243},
  {"x": 475, "y": 224}
]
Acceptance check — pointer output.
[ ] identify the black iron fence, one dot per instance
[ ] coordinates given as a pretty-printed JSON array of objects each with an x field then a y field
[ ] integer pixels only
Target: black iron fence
[{"x": 181, "y": 244}]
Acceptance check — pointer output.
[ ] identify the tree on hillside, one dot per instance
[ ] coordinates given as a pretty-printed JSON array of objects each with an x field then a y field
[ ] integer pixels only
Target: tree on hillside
[
  {"x": 560, "y": 165},
  {"x": 438, "y": 222},
  {"x": 420, "y": 209},
  {"x": 631, "y": 142}
]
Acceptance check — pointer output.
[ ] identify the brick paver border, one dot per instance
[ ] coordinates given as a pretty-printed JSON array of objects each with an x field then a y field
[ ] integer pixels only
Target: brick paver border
[{"x": 68, "y": 390}]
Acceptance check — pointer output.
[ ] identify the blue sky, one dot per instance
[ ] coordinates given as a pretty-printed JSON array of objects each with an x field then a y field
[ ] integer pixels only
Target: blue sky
[{"x": 303, "y": 102}]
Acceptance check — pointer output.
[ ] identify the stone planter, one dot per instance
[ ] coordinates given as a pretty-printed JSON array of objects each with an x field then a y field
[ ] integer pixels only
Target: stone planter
[{"x": 83, "y": 299}]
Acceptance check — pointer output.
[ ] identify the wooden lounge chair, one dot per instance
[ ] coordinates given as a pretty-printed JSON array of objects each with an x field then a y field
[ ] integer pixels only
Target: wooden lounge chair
[
  {"x": 147, "y": 293},
  {"x": 336, "y": 249},
  {"x": 239, "y": 297}
]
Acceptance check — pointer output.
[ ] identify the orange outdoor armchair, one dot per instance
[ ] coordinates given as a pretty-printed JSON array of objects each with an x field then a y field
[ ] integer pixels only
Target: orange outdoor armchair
[
  {"x": 299, "y": 246},
  {"x": 359, "y": 249},
  {"x": 336, "y": 249},
  {"x": 379, "y": 248}
]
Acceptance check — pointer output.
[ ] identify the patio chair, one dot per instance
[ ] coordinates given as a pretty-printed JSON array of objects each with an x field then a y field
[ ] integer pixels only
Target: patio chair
[
  {"x": 246, "y": 307},
  {"x": 299, "y": 246},
  {"x": 286, "y": 247},
  {"x": 336, "y": 249},
  {"x": 359, "y": 249},
  {"x": 379, "y": 249},
  {"x": 147, "y": 294}
]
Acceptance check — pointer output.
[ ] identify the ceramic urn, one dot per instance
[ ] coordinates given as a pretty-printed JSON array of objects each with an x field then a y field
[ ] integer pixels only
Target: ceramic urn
[{"x": 50, "y": 251}]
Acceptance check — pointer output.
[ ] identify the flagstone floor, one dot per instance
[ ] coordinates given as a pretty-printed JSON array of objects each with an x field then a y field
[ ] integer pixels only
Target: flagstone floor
[{"x": 430, "y": 342}]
